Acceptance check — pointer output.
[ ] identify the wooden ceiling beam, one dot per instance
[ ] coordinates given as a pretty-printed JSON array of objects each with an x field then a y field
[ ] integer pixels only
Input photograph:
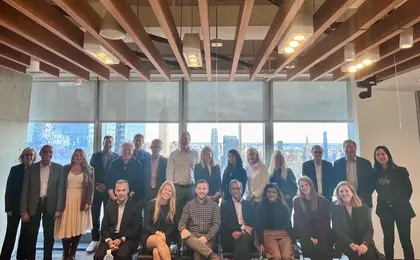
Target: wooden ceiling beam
[
  {"x": 167, "y": 22},
  {"x": 14, "y": 55},
  {"x": 21, "y": 44},
  {"x": 392, "y": 25},
  {"x": 53, "y": 71},
  {"x": 24, "y": 26},
  {"x": 88, "y": 18},
  {"x": 403, "y": 68},
  {"x": 284, "y": 17},
  {"x": 203, "y": 7},
  {"x": 11, "y": 65},
  {"x": 368, "y": 13},
  {"x": 329, "y": 12},
  {"x": 393, "y": 45},
  {"x": 50, "y": 18},
  {"x": 125, "y": 16},
  {"x": 241, "y": 29}
]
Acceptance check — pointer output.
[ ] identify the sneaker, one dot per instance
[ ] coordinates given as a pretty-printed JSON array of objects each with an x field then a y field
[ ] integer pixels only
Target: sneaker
[{"x": 92, "y": 246}]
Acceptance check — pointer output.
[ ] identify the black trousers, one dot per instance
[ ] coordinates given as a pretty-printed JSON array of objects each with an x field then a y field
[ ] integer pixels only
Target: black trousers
[
  {"x": 183, "y": 195},
  {"x": 241, "y": 247},
  {"x": 125, "y": 251},
  {"x": 99, "y": 199},
  {"x": 404, "y": 232},
  {"x": 321, "y": 251},
  {"x": 371, "y": 254},
  {"x": 9, "y": 240},
  {"x": 33, "y": 228}
]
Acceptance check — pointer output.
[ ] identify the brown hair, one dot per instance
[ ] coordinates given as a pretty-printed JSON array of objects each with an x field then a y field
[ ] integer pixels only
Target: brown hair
[
  {"x": 25, "y": 151},
  {"x": 313, "y": 196},
  {"x": 355, "y": 202}
]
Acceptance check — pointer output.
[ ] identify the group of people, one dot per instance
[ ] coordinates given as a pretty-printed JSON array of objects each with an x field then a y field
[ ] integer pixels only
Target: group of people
[{"x": 179, "y": 197}]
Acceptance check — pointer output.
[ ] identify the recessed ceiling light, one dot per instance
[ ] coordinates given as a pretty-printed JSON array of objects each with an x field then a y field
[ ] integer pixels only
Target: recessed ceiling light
[
  {"x": 289, "y": 50},
  {"x": 352, "y": 69},
  {"x": 293, "y": 44},
  {"x": 367, "y": 62},
  {"x": 359, "y": 66},
  {"x": 299, "y": 38}
]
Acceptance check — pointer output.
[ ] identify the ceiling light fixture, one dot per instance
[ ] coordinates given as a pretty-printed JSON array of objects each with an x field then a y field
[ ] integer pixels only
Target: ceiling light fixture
[
  {"x": 192, "y": 50},
  {"x": 33, "y": 66},
  {"x": 78, "y": 82},
  {"x": 294, "y": 44},
  {"x": 110, "y": 28},
  {"x": 297, "y": 33},
  {"x": 289, "y": 50},
  {"x": 406, "y": 38},
  {"x": 97, "y": 51},
  {"x": 367, "y": 62},
  {"x": 349, "y": 52},
  {"x": 364, "y": 60},
  {"x": 359, "y": 66},
  {"x": 299, "y": 38}
]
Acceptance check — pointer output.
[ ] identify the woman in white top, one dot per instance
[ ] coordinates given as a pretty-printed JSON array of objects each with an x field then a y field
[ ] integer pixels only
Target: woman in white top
[{"x": 257, "y": 174}]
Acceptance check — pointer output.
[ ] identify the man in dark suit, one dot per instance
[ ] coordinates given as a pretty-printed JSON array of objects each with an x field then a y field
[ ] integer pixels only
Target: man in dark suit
[
  {"x": 43, "y": 182},
  {"x": 100, "y": 162},
  {"x": 357, "y": 171},
  {"x": 121, "y": 225},
  {"x": 237, "y": 222},
  {"x": 154, "y": 168},
  {"x": 320, "y": 172}
]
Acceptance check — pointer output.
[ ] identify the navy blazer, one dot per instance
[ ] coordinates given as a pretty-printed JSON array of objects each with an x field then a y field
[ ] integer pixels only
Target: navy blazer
[
  {"x": 97, "y": 162},
  {"x": 229, "y": 219},
  {"x": 14, "y": 188},
  {"x": 147, "y": 171},
  {"x": 365, "y": 175},
  {"x": 328, "y": 180}
]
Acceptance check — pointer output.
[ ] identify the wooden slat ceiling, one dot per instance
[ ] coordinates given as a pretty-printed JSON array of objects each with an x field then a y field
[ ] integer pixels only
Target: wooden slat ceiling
[{"x": 54, "y": 32}]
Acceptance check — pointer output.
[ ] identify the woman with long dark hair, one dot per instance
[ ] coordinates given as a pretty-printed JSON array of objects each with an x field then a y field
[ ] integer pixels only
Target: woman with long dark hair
[
  {"x": 274, "y": 227},
  {"x": 312, "y": 221},
  {"x": 394, "y": 192},
  {"x": 234, "y": 170},
  {"x": 74, "y": 203}
]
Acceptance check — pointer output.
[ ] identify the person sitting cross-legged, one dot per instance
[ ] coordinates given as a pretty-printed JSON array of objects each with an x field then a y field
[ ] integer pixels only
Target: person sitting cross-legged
[{"x": 200, "y": 222}]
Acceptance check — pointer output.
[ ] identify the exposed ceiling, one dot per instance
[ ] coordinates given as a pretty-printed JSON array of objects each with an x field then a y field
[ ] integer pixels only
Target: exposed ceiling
[{"x": 53, "y": 32}]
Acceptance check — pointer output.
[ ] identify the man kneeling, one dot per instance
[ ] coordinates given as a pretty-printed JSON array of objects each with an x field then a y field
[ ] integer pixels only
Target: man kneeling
[
  {"x": 121, "y": 225},
  {"x": 200, "y": 222}
]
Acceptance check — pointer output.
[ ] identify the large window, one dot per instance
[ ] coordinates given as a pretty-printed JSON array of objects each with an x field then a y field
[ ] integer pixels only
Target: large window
[
  {"x": 124, "y": 132},
  {"x": 222, "y": 137},
  {"x": 297, "y": 139}
]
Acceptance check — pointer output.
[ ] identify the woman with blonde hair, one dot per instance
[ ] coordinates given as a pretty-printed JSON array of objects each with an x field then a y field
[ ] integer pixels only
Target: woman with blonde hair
[
  {"x": 312, "y": 221},
  {"x": 257, "y": 175},
  {"x": 209, "y": 170},
  {"x": 74, "y": 203},
  {"x": 284, "y": 177},
  {"x": 352, "y": 225},
  {"x": 12, "y": 206},
  {"x": 159, "y": 222}
]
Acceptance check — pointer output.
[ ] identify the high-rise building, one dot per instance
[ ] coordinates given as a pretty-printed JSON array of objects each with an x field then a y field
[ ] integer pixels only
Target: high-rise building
[
  {"x": 325, "y": 145},
  {"x": 229, "y": 142},
  {"x": 306, "y": 152},
  {"x": 119, "y": 136},
  {"x": 215, "y": 143}
]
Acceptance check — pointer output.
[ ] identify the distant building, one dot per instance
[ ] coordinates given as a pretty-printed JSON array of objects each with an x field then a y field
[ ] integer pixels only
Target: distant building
[
  {"x": 215, "y": 143},
  {"x": 279, "y": 145},
  {"x": 325, "y": 145}
]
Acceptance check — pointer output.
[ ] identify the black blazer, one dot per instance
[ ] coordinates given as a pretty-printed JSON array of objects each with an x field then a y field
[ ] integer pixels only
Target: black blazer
[
  {"x": 14, "y": 188},
  {"x": 328, "y": 180},
  {"x": 97, "y": 162},
  {"x": 214, "y": 179},
  {"x": 131, "y": 221},
  {"x": 231, "y": 174},
  {"x": 366, "y": 177},
  {"x": 162, "y": 224},
  {"x": 147, "y": 171},
  {"x": 229, "y": 223}
]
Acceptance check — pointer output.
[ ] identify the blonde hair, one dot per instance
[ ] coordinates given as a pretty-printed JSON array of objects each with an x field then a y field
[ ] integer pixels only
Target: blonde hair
[
  {"x": 171, "y": 203},
  {"x": 26, "y": 150},
  {"x": 254, "y": 150},
  {"x": 313, "y": 196},
  {"x": 202, "y": 162},
  {"x": 85, "y": 164},
  {"x": 272, "y": 166},
  {"x": 355, "y": 202}
]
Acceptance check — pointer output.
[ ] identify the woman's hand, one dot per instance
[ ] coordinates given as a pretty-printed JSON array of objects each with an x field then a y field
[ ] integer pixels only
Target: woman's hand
[
  {"x": 262, "y": 249},
  {"x": 362, "y": 249},
  {"x": 161, "y": 235},
  {"x": 87, "y": 207},
  {"x": 354, "y": 247}
]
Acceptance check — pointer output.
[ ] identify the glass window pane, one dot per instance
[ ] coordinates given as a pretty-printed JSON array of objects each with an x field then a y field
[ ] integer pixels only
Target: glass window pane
[
  {"x": 297, "y": 139},
  {"x": 64, "y": 137},
  {"x": 124, "y": 132},
  {"x": 139, "y": 102},
  {"x": 224, "y": 101},
  {"x": 310, "y": 101}
]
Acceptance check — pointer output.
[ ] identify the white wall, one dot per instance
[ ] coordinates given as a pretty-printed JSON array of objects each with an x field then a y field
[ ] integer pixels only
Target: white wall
[
  {"x": 378, "y": 123},
  {"x": 15, "y": 94}
]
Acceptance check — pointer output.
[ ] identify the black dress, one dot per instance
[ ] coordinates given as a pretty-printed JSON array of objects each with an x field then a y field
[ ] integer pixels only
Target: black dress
[
  {"x": 212, "y": 177},
  {"x": 163, "y": 224}
]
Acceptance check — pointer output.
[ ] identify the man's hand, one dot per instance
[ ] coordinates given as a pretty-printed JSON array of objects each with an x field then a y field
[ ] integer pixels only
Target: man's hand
[
  {"x": 362, "y": 249},
  {"x": 9, "y": 213},
  {"x": 236, "y": 235},
  {"x": 203, "y": 239},
  {"x": 185, "y": 234},
  {"x": 314, "y": 240},
  {"x": 161, "y": 235},
  {"x": 354, "y": 247},
  {"x": 87, "y": 206},
  {"x": 117, "y": 243},
  {"x": 57, "y": 215},
  {"x": 110, "y": 243},
  {"x": 25, "y": 217},
  {"x": 248, "y": 229},
  {"x": 100, "y": 187}
]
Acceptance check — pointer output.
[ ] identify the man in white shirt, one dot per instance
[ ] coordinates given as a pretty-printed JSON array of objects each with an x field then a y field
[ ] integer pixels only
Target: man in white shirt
[{"x": 180, "y": 171}]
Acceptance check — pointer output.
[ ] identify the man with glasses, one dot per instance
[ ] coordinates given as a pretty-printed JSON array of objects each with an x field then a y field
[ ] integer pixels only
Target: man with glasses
[{"x": 320, "y": 172}]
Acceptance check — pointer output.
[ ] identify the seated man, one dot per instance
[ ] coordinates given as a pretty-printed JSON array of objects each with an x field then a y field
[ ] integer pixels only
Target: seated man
[
  {"x": 121, "y": 224},
  {"x": 200, "y": 222},
  {"x": 237, "y": 223}
]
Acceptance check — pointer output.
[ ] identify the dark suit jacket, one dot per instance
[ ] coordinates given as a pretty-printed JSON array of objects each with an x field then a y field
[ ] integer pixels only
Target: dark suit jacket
[
  {"x": 365, "y": 175},
  {"x": 328, "y": 180},
  {"x": 87, "y": 189},
  {"x": 214, "y": 179},
  {"x": 229, "y": 220},
  {"x": 131, "y": 221},
  {"x": 14, "y": 188},
  {"x": 97, "y": 162},
  {"x": 32, "y": 188},
  {"x": 147, "y": 171}
]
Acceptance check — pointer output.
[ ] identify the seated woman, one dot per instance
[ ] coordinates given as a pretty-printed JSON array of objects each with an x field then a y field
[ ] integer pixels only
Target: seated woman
[
  {"x": 273, "y": 225},
  {"x": 312, "y": 221},
  {"x": 352, "y": 225},
  {"x": 159, "y": 222}
]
